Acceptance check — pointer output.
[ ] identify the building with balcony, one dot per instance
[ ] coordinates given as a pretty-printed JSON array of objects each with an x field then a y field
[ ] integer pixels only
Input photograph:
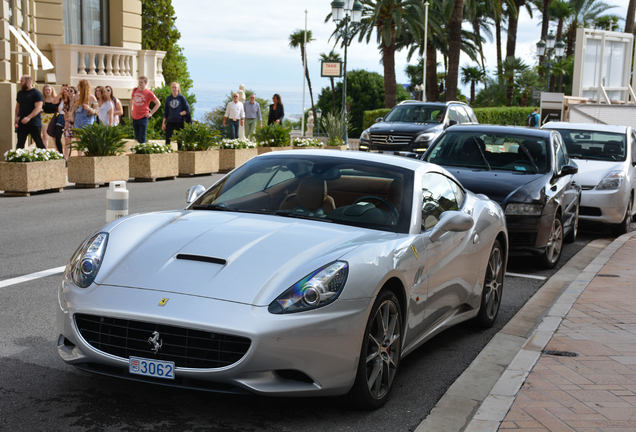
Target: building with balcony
[{"x": 63, "y": 41}]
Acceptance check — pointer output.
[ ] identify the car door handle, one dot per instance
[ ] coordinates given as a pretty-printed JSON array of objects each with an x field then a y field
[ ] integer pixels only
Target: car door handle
[{"x": 476, "y": 238}]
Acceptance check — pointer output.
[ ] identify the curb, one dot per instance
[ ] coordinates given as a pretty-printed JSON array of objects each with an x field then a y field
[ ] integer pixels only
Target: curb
[{"x": 481, "y": 397}]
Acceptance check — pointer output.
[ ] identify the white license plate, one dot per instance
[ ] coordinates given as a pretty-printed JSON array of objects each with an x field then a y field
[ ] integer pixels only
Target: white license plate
[{"x": 153, "y": 368}]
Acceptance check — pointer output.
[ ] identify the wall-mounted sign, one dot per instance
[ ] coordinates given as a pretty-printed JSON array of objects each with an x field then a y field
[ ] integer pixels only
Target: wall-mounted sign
[{"x": 331, "y": 69}]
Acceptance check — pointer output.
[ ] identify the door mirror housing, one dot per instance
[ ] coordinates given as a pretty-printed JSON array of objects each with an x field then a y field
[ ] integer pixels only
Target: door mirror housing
[
  {"x": 455, "y": 221},
  {"x": 193, "y": 193},
  {"x": 379, "y": 119},
  {"x": 568, "y": 170}
]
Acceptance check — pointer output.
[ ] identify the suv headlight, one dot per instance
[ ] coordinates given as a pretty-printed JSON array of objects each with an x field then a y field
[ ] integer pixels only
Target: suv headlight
[
  {"x": 365, "y": 136},
  {"x": 425, "y": 137},
  {"x": 313, "y": 291},
  {"x": 87, "y": 260},
  {"x": 524, "y": 209},
  {"x": 611, "y": 181}
]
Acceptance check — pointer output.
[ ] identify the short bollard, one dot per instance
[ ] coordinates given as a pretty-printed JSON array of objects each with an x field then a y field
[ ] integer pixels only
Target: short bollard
[{"x": 117, "y": 197}]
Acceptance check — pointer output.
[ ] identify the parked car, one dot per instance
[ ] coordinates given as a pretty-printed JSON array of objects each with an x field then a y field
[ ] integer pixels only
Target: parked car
[
  {"x": 413, "y": 125},
  {"x": 528, "y": 172},
  {"x": 299, "y": 274},
  {"x": 606, "y": 156}
]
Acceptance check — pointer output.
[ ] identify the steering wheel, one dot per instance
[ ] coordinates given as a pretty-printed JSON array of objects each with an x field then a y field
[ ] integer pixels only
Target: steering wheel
[{"x": 392, "y": 210}]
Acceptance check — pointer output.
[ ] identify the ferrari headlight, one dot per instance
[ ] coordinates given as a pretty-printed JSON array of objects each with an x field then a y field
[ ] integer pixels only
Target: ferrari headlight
[
  {"x": 524, "y": 209},
  {"x": 365, "y": 136},
  {"x": 611, "y": 181},
  {"x": 425, "y": 137},
  {"x": 315, "y": 290},
  {"x": 87, "y": 260}
]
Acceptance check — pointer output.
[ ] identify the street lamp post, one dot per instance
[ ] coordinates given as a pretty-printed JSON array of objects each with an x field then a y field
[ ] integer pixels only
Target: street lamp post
[
  {"x": 318, "y": 116},
  {"x": 549, "y": 49},
  {"x": 343, "y": 12}
]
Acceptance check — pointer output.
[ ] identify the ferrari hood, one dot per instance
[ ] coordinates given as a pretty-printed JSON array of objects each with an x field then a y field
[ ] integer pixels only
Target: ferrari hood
[
  {"x": 245, "y": 258},
  {"x": 499, "y": 186},
  {"x": 591, "y": 172}
]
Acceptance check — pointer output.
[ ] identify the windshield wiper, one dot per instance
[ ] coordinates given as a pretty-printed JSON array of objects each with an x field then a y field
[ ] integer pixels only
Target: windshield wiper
[
  {"x": 527, "y": 153},
  {"x": 292, "y": 214},
  {"x": 221, "y": 207},
  {"x": 481, "y": 152}
]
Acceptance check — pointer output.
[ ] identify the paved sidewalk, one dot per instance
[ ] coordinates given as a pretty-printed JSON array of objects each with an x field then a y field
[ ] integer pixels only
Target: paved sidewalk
[{"x": 596, "y": 389}]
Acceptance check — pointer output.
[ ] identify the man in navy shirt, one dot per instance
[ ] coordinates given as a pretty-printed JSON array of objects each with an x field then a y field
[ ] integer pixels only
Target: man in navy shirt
[
  {"x": 174, "y": 112},
  {"x": 28, "y": 120}
]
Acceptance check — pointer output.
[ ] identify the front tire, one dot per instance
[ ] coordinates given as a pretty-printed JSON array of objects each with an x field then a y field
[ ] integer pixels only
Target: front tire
[
  {"x": 624, "y": 226},
  {"x": 493, "y": 288},
  {"x": 571, "y": 237},
  {"x": 552, "y": 253},
  {"x": 380, "y": 354}
]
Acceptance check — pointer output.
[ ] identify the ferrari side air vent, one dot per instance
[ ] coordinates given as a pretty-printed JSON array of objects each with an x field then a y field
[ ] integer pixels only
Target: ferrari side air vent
[{"x": 202, "y": 258}]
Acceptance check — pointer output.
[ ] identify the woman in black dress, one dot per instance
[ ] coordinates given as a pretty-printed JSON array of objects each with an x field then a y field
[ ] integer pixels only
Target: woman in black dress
[{"x": 276, "y": 111}]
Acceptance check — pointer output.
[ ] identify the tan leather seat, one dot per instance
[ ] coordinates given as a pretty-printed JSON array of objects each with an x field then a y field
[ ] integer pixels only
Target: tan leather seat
[{"x": 311, "y": 194}]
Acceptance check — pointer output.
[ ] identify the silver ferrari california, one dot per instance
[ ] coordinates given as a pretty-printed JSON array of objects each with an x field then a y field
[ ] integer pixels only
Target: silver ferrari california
[{"x": 300, "y": 273}]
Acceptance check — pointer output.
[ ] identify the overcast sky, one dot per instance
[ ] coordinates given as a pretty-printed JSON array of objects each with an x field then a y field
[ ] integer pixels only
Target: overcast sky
[{"x": 234, "y": 42}]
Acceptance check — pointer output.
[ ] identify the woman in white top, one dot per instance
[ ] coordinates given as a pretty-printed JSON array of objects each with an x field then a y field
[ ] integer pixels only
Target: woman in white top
[
  {"x": 106, "y": 107},
  {"x": 119, "y": 110}
]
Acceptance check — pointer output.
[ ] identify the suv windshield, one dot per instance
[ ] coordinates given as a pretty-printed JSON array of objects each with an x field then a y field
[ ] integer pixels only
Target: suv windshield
[
  {"x": 330, "y": 189},
  {"x": 507, "y": 152},
  {"x": 605, "y": 146},
  {"x": 413, "y": 113}
]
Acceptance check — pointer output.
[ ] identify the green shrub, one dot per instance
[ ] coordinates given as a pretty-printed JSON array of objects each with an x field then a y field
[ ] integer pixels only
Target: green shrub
[
  {"x": 196, "y": 136},
  {"x": 513, "y": 116},
  {"x": 151, "y": 148},
  {"x": 273, "y": 135},
  {"x": 336, "y": 126},
  {"x": 99, "y": 139},
  {"x": 369, "y": 117},
  {"x": 32, "y": 155}
]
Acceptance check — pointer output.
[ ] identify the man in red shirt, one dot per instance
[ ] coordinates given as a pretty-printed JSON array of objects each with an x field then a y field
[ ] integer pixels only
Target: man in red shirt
[{"x": 140, "y": 102}]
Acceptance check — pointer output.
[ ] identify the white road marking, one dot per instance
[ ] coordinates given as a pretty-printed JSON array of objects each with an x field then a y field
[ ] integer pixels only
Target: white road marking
[
  {"x": 32, "y": 276},
  {"x": 519, "y": 275}
]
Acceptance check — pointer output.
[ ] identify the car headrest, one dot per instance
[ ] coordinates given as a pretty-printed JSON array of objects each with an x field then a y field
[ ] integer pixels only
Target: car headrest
[{"x": 311, "y": 192}]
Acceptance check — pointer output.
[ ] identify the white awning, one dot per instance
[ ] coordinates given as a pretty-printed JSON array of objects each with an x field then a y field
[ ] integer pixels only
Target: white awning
[{"x": 31, "y": 49}]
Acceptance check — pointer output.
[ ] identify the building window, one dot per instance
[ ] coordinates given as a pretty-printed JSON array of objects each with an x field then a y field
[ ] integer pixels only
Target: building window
[{"x": 86, "y": 22}]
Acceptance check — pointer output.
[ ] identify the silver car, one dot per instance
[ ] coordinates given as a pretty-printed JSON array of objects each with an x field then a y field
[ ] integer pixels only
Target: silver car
[
  {"x": 606, "y": 156},
  {"x": 300, "y": 273}
]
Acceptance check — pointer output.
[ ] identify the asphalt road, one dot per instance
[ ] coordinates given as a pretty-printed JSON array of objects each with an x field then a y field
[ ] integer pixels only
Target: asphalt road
[{"x": 38, "y": 392}]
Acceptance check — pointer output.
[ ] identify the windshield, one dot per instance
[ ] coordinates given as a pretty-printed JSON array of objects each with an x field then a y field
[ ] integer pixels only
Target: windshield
[
  {"x": 324, "y": 188},
  {"x": 605, "y": 146},
  {"x": 506, "y": 152},
  {"x": 416, "y": 114}
]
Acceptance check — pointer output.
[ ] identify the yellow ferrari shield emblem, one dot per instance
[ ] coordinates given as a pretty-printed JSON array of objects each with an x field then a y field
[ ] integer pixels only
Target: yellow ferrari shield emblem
[
  {"x": 163, "y": 302},
  {"x": 414, "y": 252}
]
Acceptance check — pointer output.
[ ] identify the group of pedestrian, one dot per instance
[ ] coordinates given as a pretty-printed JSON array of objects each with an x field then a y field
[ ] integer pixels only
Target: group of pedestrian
[
  {"x": 249, "y": 113},
  {"x": 41, "y": 116}
]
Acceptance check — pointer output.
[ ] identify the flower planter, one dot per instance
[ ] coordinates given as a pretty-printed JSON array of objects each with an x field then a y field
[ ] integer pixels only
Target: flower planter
[
  {"x": 340, "y": 147},
  {"x": 150, "y": 167},
  {"x": 91, "y": 171},
  {"x": 262, "y": 150},
  {"x": 198, "y": 162},
  {"x": 22, "y": 178},
  {"x": 231, "y": 158},
  {"x": 307, "y": 148}
]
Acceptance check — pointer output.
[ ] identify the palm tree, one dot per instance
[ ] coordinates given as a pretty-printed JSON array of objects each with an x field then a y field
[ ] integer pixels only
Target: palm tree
[
  {"x": 297, "y": 39},
  {"x": 331, "y": 56},
  {"x": 512, "y": 68},
  {"x": 629, "y": 19},
  {"x": 388, "y": 19},
  {"x": 527, "y": 81},
  {"x": 454, "y": 48},
  {"x": 608, "y": 22},
  {"x": 472, "y": 75},
  {"x": 511, "y": 44},
  {"x": 584, "y": 12}
]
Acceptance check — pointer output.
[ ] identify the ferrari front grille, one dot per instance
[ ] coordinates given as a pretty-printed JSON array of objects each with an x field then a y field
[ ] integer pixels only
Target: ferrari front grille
[{"x": 185, "y": 347}]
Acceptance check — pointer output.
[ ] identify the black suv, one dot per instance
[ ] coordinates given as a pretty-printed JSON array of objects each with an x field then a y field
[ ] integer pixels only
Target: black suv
[{"x": 413, "y": 125}]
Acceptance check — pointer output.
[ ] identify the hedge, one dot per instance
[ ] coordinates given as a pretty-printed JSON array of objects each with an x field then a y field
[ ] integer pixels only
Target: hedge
[{"x": 517, "y": 116}]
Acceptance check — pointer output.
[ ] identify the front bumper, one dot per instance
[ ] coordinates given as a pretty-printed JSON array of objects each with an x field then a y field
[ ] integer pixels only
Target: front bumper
[
  {"x": 303, "y": 354},
  {"x": 528, "y": 234},
  {"x": 608, "y": 206},
  {"x": 368, "y": 146}
]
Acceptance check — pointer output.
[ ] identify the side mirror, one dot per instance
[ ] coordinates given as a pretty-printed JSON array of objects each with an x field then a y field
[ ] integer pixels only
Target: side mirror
[
  {"x": 379, "y": 119},
  {"x": 568, "y": 170},
  {"x": 452, "y": 123},
  {"x": 193, "y": 193},
  {"x": 451, "y": 221}
]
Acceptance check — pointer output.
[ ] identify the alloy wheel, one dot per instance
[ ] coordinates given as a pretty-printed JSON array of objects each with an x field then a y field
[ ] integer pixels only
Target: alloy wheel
[
  {"x": 493, "y": 284},
  {"x": 555, "y": 242},
  {"x": 383, "y": 349}
]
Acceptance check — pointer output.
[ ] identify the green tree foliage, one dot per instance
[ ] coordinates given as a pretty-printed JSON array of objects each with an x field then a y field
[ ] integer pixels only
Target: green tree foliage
[
  {"x": 159, "y": 32},
  {"x": 214, "y": 118},
  {"x": 365, "y": 91}
]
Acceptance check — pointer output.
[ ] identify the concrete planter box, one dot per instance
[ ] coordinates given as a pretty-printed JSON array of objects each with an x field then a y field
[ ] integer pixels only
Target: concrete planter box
[
  {"x": 150, "y": 167},
  {"x": 262, "y": 150},
  {"x": 231, "y": 158},
  {"x": 198, "y": 162},
  {"x": 91, "y": 171},
  {"x": 22, "y": 178}
]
